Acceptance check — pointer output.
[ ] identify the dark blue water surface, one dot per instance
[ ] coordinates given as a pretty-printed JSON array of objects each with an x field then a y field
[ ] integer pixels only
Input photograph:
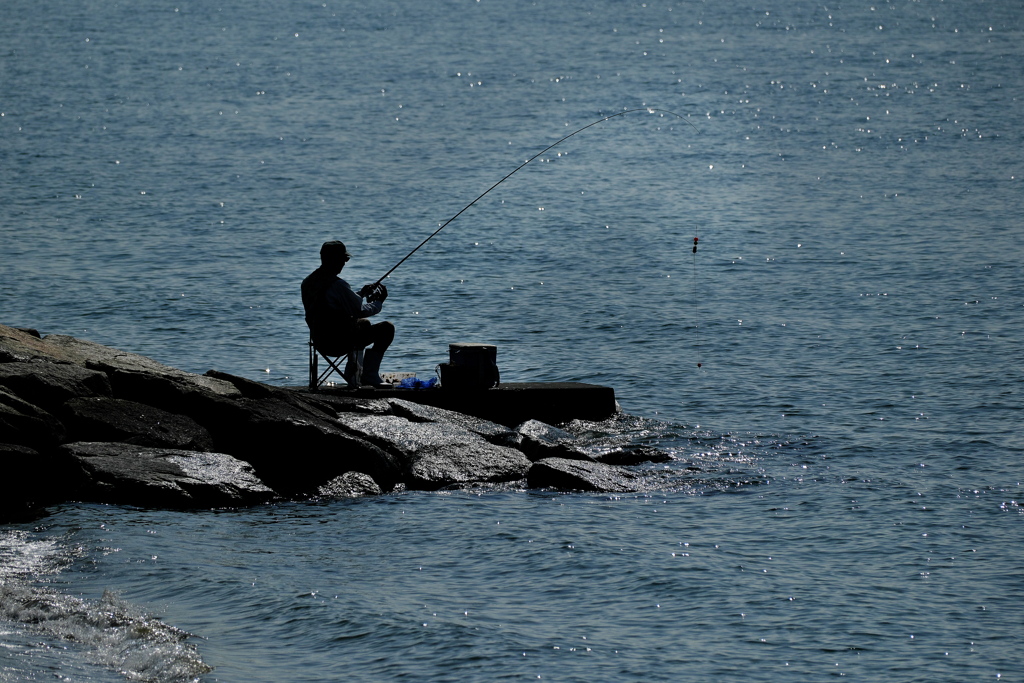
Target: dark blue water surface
[{"x": 846, "y": 494}]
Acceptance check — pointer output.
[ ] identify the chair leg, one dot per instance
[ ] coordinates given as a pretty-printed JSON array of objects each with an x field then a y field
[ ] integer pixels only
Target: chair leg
[
  {"x": 317, "y": 378},
  {"x": 352, "y": 374},
  {"x": 313, "y": 370},
  {"x": 332, "y": 368}
]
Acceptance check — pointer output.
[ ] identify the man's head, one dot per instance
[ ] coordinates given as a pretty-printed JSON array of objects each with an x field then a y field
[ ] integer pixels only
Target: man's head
[{"x": 334, "y": 255}]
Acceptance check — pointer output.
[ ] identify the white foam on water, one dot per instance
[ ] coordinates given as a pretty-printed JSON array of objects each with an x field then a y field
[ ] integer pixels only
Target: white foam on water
[{"x": 110, "y": 632}]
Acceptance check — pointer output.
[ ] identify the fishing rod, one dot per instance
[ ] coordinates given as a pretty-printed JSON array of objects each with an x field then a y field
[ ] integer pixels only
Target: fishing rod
[{"x": 649, "y": 110}]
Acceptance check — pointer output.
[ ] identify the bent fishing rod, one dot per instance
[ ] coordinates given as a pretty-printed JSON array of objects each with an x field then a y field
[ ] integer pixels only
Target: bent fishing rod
[{"x": 649, "y": 110}]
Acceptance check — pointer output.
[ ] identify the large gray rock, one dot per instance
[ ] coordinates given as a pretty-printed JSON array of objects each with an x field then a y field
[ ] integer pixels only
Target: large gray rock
[
  {"x": 29, "y": 425},
  {"x": 20, "y": 345},
  {"x": 576, "y": 475},
  {"x": 539, "y": 440},
  {"x": 349, "y": 485},
  {"x": 175, "y": 394},
  {"x": 294, "y": 449},
  {"x": 136, "y": 377},
  {"x": 49, "y": 385},
  {"x": 491, "y": 431},
  {"x": 160, "y": 477},
  {"x": 131, "y": 376},
  {"x": 113, "y": 419},
  {"x": 439, "y": 455}
]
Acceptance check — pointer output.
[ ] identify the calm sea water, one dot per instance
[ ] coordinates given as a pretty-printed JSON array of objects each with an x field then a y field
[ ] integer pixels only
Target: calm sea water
[{"x": 846, "y": 499}]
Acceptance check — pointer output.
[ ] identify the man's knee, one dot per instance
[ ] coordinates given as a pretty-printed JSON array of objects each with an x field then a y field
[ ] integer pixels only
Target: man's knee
[{"x": 387, "y": 332}]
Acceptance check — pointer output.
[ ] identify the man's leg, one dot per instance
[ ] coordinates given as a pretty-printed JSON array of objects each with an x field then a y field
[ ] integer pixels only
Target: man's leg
[
  {"x": 357, "y": 361},
  {"x": 380, "y": 335}
]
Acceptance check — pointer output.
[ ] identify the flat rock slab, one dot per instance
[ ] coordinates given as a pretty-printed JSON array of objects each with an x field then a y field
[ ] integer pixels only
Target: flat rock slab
[
  {"x": 160, "y": 477},
  {"x": 113, "y": 419},
  {"x": 439, "y": 455},
  {"x": 491, "y": 431},
  {"x": 20, "y": 345},
  {"x": 110, "y": 360},
  {"x": 577, "y": 475},
  {"x": 507, "y": 404}
]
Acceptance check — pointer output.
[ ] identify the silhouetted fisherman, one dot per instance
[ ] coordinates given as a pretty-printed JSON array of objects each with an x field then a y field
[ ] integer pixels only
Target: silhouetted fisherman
[{"x": 337, "y": 316}]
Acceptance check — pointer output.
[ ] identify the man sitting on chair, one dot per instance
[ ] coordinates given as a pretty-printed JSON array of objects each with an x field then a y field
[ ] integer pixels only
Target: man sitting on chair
[{"x": 337, "y": 316}]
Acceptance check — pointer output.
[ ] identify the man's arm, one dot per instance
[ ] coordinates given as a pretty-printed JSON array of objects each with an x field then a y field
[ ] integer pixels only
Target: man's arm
[{"x": 340, "y": 297}]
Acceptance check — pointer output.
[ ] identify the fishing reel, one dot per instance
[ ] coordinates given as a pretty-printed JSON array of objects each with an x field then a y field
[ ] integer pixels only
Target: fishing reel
[{"x": 374, "y": 293}]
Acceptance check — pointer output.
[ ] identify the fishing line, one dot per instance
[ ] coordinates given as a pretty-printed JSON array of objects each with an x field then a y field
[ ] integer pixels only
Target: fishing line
[{"x": 649, "y": 110}]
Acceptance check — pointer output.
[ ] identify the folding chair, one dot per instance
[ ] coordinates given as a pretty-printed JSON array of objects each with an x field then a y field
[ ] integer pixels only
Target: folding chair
[{"x": 317, "y": 379}]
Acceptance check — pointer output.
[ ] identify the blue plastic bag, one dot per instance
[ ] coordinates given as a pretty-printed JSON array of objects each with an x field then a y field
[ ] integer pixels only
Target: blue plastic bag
[{"x": 413, "y": 383}]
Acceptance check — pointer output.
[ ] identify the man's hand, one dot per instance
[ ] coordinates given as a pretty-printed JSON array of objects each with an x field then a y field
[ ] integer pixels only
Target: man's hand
[{"x": 374, "y": 293}]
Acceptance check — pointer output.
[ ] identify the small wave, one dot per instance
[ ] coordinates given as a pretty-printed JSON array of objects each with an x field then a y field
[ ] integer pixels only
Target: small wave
[
  {"x": 701, "y": 460},
  {"x": 22, "y": 557},
  {"x": 113, "y": 632}
]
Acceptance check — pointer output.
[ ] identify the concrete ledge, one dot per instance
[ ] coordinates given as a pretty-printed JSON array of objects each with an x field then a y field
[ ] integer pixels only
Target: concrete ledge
[{"x": 507, "y": 404}]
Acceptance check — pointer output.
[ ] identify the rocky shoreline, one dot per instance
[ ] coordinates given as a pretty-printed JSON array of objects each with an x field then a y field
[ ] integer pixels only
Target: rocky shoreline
[{"x": 84, "y": 422}]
